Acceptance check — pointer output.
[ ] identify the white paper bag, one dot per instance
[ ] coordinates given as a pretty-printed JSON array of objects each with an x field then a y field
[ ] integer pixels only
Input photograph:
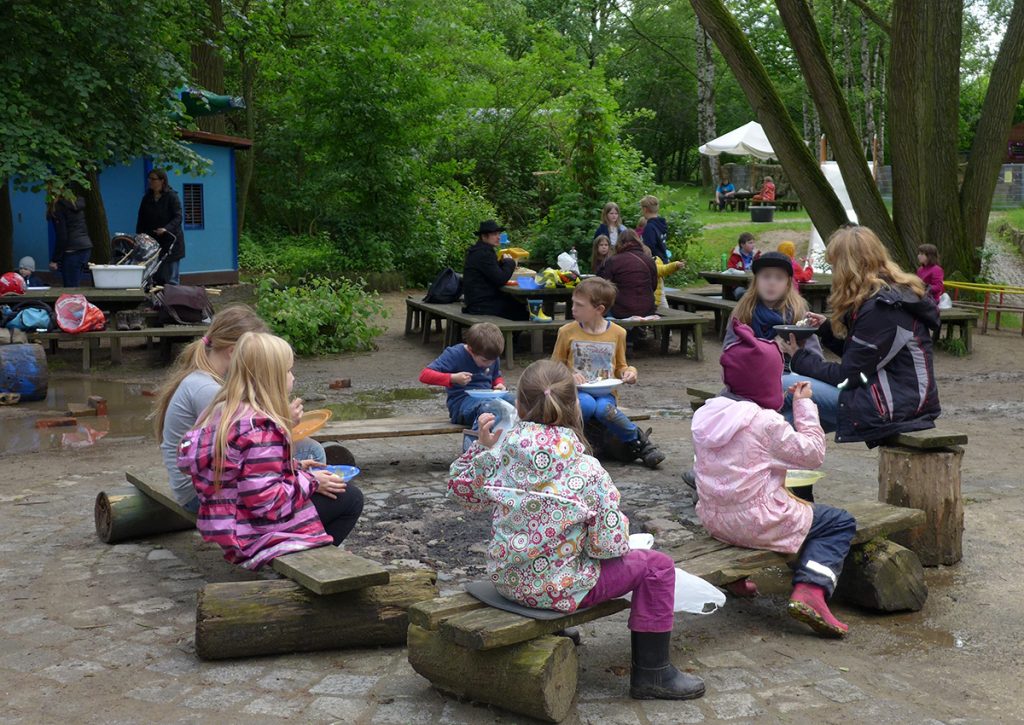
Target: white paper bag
[
  {"x": 945, "y": 302},
  {"x": 567, "y": 263}
]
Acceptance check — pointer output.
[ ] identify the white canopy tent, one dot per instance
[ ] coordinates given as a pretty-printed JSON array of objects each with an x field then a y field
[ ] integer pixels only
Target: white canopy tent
[{"x": 747, "y": 140}]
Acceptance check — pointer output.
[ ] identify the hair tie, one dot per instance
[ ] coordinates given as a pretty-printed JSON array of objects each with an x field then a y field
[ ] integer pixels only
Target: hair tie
[
  {"x": 205, "y": 340},
  {"x": 547, "y": 392}
]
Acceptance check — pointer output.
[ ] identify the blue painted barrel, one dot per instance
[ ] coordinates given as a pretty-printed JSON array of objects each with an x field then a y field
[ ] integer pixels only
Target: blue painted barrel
[{"x": 23, "y": 370}]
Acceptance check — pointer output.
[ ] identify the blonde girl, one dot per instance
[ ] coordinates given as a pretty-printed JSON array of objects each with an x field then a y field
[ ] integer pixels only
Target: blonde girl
[
  {"x": 611, "y": 224},
  {"x": 255, "y": 501},
  {"x": 881, "y": 325},
  {"x": 559, "y": 540}
]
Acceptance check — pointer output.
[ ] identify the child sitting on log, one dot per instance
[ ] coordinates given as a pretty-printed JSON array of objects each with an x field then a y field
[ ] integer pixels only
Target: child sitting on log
[
  {"x": 196, "y": 378},
  {"x": 559, "y": 540},
  {"x": 470, "y": 365},
  {"x": 255, "y": 501},
  {"x": 744, "y": 448}
]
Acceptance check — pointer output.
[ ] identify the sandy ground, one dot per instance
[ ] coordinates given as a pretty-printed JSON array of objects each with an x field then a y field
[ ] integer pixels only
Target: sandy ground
[{"x": 93, "y": 633}]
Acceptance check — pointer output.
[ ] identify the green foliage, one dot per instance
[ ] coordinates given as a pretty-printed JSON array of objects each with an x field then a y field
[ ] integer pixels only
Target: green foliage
[
  {"x": 955, "y": 346},
  {"x": 447, "y": 218},
  {"x": 684, "y": 241},
  {"x": 321, "y": 315},
  {"x": 290, "y": 258}
]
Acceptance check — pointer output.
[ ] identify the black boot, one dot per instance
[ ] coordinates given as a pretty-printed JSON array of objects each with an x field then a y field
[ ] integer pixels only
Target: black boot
[
  {"x": 646, "y": 451},
  {"x": 690, "y": 479},
  {"x": 653, "y": 676}
]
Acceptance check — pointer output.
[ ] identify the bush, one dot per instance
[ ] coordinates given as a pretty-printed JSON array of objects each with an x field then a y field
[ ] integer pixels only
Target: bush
[
  {"x": 321, "y": 315},
  {"x": 448, "y": 216},
  {"x": 684, "y": 235},
  {"x": 290, "y": 257}
]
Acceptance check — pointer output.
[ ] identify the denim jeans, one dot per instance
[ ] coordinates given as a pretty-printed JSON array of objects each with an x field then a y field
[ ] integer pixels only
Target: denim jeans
[
  {"x": 467, "y": 410},
  {"x": 603, "y": 411},
  {"x": 71, "y": 266},
  {"x": 167, "y": 272},
  {"x": 821, "y": 557},
  {"x": 825, "y": 396}
]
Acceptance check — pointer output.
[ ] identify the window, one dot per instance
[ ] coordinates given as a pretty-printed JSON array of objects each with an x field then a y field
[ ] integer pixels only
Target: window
[{"x": 192, "y": 206}]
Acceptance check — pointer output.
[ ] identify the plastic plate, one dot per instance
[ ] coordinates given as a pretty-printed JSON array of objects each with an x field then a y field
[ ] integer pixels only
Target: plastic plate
[
  {"x": 801, "y": 332},
  {"x": 481, "y": 394},
  {"x": 345, "y": 473},
  {"x": 601, "y": 387},
  {"x": 310, "y": 423},
  {"x": 802, "y": 478}
]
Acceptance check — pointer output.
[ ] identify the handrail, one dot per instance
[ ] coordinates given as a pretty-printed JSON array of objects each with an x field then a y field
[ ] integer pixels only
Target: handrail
[{"x": 980, "y": 287}]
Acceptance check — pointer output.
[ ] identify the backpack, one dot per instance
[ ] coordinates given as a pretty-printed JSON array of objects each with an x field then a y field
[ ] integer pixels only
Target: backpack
[
  {"x": 74, "y": 314},
  {"x": 30, "y": 315},
  {"x": 446, "y": 287},
  {"x": 182, "y": 304}
]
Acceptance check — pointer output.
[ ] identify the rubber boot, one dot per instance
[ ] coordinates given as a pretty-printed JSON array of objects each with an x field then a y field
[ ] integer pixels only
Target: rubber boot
[
  {"x": 744, "y": 588},
  {"x": 653, "y": 676},
  {"x": 135, "y": 320},
  {"x": 690, "y": 479},
  {"x": 807, "y": 604},
  {"x": 572, "y": 633},
  {"x": 646, "y": 451},
  {"x": 122, "y": 321}
]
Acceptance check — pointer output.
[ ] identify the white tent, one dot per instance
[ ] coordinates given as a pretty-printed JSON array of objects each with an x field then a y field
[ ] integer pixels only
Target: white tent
[
  {"x": 835, "y": 179},
  {"x": 747, "y": 140}
]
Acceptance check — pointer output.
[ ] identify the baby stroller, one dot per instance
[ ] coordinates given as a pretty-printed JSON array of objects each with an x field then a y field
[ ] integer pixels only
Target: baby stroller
[{"x": 139, "y": 249}]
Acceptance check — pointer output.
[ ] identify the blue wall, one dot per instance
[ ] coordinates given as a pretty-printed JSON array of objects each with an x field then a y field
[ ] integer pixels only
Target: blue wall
[{"x": 214, "y": 248}]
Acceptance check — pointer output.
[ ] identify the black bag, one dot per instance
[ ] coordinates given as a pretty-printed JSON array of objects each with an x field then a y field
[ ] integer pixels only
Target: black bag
[
  {"x": 446, "y": 287},
  {"x": 183, "y": 305},
  {"x": 9, "y": 314}
]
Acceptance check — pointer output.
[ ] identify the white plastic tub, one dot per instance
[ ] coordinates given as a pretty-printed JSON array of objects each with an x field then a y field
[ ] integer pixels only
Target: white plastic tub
[{"x": 117, "y": 276}]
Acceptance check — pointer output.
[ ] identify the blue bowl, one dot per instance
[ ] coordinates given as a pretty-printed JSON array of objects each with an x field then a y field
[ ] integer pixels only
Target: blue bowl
[
  {"x": 482, "y": 394},
  {"x": 528, "y": 282},
  {"x": 345, "y": 473}
]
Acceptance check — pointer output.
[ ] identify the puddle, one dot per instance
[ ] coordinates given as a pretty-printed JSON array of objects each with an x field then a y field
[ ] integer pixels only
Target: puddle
[
  {"x": 127, "y": 409},
  {"x": 377, "y": 403}
]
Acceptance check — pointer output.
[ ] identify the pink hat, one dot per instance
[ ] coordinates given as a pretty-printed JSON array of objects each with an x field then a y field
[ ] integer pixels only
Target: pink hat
[{"x": 752, "y": 368}]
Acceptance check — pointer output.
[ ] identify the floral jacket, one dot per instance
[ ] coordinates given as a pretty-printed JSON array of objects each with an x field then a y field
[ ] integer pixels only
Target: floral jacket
[{"x": 554, "y": 514}]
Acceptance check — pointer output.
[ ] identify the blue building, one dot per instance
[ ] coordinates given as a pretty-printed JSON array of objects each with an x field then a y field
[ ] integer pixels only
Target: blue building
[{"x": 208, "y": 206}]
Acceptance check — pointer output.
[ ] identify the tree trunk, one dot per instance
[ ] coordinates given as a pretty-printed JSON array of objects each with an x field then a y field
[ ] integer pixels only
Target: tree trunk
[
  {"x": 928, "y": 480},
  {"x": 247, "y": 619},
  {"x": 883, "y": 576},
  {"x": 6, "y": 227},
  {"x": 836, "y": 119},
  {"x": 868, "y": 128},
  {"x": 125, "y": 514},
  {"x": 988, "y": 150},
  {"x": 246, "y": 160},
  {"x": 96, "y": 219},
  {"x": 923, "y": 94},
  {"x": 806, "y": 176},
  {"x": 208, "y": 64},
  {"x": 706, "y": 123}
]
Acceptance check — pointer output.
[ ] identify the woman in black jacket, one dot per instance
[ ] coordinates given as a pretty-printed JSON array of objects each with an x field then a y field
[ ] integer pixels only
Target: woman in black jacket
[
  {"x": 160, "y": 218},
  {"x": 73, "y": 246},
  {"x": 483, "y": 277},
  {"x": 881, "y": 326}
]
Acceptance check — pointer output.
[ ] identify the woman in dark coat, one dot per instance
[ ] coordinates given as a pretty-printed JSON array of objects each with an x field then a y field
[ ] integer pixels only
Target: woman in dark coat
[
  {"x": 160, "y": 218},
  {"x": 73, "y": 247},
  {"x": 881, "y": 325},
  {"x": 635, "y": 274},
  {"x": 484, "y": 276}
]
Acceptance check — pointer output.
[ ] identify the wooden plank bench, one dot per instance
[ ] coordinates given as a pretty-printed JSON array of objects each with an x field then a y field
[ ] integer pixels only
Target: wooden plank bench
[
  {"x": 459, "y": 643},
  {"x": 91, "y": 340},
  {"x": 958, "y": 318},
  {"x": 696, "y": 302}
]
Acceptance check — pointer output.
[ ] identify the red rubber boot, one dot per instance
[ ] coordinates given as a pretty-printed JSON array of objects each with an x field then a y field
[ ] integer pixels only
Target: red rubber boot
[{"x": 807, "y": 604}]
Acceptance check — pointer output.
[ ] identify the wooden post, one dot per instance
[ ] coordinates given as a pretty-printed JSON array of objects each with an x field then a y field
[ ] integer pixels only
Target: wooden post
[
  {"x": 928, "y": 480},
  {"x": 536, "y": 678},
  {"x": 126, "y": 514},
  {"x": 246, "y": 619}
]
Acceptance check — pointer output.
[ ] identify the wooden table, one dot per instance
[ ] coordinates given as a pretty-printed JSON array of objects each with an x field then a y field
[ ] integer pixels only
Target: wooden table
[
  {"x": 816, "y": 291},
  {"x": 108, "y": 300},
  {"x": 549, "y": 297}
]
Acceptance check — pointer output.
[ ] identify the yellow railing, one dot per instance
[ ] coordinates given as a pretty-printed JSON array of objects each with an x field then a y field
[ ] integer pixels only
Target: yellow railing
[{"x": 998, "y": 306}]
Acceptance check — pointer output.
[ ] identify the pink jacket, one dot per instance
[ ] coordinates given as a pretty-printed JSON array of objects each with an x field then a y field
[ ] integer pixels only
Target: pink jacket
[
  {"x": 743, "y": 452},
  {"x": 933, "y": 276}
]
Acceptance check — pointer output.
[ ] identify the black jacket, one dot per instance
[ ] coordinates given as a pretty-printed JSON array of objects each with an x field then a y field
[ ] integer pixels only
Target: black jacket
[
  {"x": 68, "y": 219},
  {"x": 889, "y": 341},
  {"x": 165, "y": 213},
  {"x": 482, "y": 279},
  {"x": 656, "y": 237}
]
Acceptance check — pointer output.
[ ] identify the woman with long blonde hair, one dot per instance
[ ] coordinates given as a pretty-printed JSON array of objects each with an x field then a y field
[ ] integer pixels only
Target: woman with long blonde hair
[
  {"x": 881, "y": 326},
  {"x": 255, "y": 501}
]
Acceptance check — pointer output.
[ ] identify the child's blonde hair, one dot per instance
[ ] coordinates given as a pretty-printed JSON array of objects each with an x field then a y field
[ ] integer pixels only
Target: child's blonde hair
[
  {"x": 641, "y": 223},
  {"x": 593, "y": 253},
  {"x": 861, "y": 266},
  {"x": 650, "y": 203},
  {"x": 227, "y": 327},
  {"x": 547, "y": 395},
  {"x": 597, "y": 291},
  {"x": 791, "y": 303},
  {"x": 257, "y": 379}
]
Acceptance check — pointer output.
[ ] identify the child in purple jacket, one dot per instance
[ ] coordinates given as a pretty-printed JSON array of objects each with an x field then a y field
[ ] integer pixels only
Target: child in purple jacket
[{"x": 930, "y": 272}]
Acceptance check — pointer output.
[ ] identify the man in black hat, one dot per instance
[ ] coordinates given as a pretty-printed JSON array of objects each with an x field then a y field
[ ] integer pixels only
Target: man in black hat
[{"x": 484, "y": 275}]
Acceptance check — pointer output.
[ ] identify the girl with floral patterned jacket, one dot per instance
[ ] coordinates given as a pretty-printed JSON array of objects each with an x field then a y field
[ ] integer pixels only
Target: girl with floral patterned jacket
[{"x": 558, "y": 538}]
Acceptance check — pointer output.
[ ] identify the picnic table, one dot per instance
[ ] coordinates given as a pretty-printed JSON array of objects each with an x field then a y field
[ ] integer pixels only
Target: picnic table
[
  {"x": 549, "y": 297},
  {"x": 108, "y": 300},
  {"x": 816, "y": 291}
]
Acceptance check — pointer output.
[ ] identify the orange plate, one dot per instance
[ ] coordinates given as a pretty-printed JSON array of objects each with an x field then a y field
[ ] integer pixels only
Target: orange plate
[{"x": 310, "y": 423}]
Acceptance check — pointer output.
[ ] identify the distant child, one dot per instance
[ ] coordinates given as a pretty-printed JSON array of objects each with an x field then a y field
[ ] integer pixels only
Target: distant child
[
  {"x": 27, "y": 269},
  {"x": 473, "y": 365},
  {"x": 767, "y": 192},
  {"x": 641, "y": 224},
  {"x": 801, "y": 273},
  {"x": 655, "y": 231},
  {"x": 744, "y": 448},
  {"x": 602, "y": 250},
  {"x": 742, "y": 258},
  {"x": 594, "y": 348},
  {"x": 930, "y": 272},
  {"x": 559, "y": 540},
  {"x": 255, "y": 501},
  {"x": 664, "y": 270}
]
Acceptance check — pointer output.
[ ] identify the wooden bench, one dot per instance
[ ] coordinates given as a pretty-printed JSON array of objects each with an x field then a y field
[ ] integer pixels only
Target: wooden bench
[
  {"x": 958, "y": 318},
  {"x": 780, "y": 204},
  {"x": 91, "y": 340},
  {"x": 696, "y": 302},
  {"x": 468, "y": 649},
  {"x": 335, "y": 599}
]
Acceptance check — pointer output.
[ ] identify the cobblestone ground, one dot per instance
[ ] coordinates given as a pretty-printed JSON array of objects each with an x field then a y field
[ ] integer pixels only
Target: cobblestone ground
[{"x": 92, "y": 633}]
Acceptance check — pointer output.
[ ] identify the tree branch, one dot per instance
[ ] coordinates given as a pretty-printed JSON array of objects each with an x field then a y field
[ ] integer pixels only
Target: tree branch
[
  {"x": 648, "y": 39},
  {"x": 872, "y": 15}
]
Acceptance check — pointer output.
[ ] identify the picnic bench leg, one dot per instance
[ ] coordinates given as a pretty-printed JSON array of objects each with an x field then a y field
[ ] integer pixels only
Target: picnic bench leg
[
  {"x": 698, "y": 342},
  {"x": 537, "y": 342},
  {"x": 666, "y": 338},
  {"x": 409, "y": 312},
  {"x": 425, "y": 332},
  {"x": 967, "y": 333},
  {"x": 54, "y": 347},
  {"x": 115, "y": 350},
  {"x": 510, "y": 358},
  {"x": 87, "y": 354}
]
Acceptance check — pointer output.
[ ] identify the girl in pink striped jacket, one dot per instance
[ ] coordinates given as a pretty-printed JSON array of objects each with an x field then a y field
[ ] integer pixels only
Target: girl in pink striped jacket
[{"x": 255, "y": 501}]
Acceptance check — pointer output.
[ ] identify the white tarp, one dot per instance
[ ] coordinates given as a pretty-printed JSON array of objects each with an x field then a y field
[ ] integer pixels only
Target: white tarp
[
  {"x": 835, "y": 180},
  {"x": 747, "y": 140}
]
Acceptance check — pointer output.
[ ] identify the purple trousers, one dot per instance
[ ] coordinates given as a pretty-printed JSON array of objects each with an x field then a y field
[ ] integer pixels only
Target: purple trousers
[{"x": 651, "y": 576}]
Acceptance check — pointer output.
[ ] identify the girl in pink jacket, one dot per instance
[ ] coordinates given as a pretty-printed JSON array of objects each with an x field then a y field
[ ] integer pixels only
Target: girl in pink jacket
[{"x": 744, "y": 448}]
